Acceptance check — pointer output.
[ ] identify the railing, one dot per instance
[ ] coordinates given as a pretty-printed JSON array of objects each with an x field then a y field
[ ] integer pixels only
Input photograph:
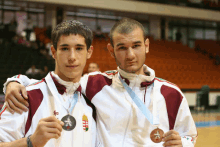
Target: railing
[{"x": 203, "y": 4}]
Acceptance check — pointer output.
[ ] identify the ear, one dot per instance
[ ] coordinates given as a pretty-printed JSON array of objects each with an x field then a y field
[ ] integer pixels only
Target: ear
[
  {"x": 110, "y": 49},
  {"x": 89, "y": 52},
  {"x": 147, "y": 43},
  {"x": 53, "y": 51}
]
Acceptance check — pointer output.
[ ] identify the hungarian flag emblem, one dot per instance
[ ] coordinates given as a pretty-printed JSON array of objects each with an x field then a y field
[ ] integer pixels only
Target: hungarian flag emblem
[{"x": 85, "y": 123}]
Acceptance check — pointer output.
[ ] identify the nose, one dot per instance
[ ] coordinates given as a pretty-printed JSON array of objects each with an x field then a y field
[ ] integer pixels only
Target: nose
[
  {"x": 72, "y": 55},
  {"x": 130, "y": 54}
]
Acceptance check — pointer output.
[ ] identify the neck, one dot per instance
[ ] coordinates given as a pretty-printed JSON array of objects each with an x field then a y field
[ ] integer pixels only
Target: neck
[
  {"x": 140, "y": 71},
  {"x": 64, "y": 78}
]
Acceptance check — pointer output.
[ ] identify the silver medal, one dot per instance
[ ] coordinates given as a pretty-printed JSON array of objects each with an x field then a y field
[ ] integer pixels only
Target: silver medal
[{"x": 69, "y": 122}]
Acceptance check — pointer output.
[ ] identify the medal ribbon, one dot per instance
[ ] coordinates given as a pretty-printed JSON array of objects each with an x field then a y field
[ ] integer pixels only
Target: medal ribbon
[
  {"x": 57, "y": 96},
  {"x": 73, "y": 103},
  {"x": 141, "y": 105}
]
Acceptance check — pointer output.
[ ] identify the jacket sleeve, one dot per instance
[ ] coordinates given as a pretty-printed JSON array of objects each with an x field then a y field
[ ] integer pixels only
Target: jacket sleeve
[
  {"x": 185, "y": 125},
  {"x": 22, "y": 79},
  {"x": 12, "y": 126}
]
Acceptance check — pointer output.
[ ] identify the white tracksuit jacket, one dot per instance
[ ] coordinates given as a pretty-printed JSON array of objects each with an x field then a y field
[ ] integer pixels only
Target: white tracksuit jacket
[
  {"x": 120, "y": 123},
  {"x": 14, "y": 127}
]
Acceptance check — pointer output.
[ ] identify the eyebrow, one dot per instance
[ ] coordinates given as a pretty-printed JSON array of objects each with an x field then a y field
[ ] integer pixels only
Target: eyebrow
[
  {"x": 64, "y": 45},
  {"x": 76, "y": 45},
  {"x": 80, "y": 45},
  {"x": 119, "y": 44},
  {"x": 136, "y": 42}
]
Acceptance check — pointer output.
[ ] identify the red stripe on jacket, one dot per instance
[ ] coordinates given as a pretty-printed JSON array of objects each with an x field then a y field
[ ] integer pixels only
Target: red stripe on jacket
[
  {"x": 95, "y": 84},
  {"x": 35, "y": 97},
  {"x": 173, "y": 99}
]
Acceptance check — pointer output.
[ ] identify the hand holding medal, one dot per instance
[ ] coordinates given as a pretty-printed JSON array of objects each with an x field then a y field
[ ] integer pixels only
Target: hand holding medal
[
  {"x": 47, "y": 128},
  {"x": 172, "y": 138},
  {"x": 157, "y": 134}
]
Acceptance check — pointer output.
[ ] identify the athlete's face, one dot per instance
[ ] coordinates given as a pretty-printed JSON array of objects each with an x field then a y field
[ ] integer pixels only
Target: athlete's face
[
  {"x": 71, "y": 56},
  {"x": 130, "y": 50}
]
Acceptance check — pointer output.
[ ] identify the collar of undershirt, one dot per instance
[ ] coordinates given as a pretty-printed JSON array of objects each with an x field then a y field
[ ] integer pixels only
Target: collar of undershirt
[
  {"x": 148, "y": 77},
  {"x": 68, "y": 87}
]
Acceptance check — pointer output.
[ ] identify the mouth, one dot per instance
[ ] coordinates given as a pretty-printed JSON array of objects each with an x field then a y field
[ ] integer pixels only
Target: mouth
[
  {"x": 71, "y": 66},
  {"x": 131, "y": 63}
]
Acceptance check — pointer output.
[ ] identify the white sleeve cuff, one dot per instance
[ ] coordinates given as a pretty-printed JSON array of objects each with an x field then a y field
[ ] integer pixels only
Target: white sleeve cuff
[
  {"x": 10, "y": 80},
  {"x": 187, "y": 141}
]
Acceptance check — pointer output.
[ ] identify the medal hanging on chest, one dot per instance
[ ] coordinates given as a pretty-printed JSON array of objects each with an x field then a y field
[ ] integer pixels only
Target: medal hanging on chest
[
  {"x": 157, "y": 134},
  {"x": 69, "y": 120}
]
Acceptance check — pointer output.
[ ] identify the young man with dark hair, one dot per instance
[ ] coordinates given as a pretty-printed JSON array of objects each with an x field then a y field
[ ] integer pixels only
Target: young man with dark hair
[
  {"x": 134, "y": 108},
  {"x": 58, "y": 115}
]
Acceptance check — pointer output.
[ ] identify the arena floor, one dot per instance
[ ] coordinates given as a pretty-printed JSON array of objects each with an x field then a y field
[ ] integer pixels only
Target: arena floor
[{"x": 208, "y": 126}]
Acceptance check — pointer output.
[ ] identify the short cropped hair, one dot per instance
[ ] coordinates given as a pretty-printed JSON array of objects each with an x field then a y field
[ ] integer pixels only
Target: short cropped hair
[
  {"x": 125, "y": 26},
  {"x": 71, "y": 27}
]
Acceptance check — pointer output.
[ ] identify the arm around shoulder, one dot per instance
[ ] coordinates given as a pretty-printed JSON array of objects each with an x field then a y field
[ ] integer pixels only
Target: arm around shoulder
[
  {"x": 22, "y": 79},
  {"x": 15, "y": 93}
]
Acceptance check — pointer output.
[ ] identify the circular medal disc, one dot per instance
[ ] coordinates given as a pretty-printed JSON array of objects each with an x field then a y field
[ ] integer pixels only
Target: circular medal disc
[
  {"x": 156, "y": 135},
  {"x": 69, "y": 122}
]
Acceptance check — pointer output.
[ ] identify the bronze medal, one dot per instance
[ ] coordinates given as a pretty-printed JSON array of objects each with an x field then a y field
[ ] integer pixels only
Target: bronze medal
[
  {"x": 69, "y": 122},
  {"x": 156, "y": 135}
]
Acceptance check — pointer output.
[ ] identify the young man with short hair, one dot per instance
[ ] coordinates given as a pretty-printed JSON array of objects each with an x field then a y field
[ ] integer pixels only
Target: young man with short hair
[
  {"x": 134, "y": 108},
  {"x": 58, "y": 114}
]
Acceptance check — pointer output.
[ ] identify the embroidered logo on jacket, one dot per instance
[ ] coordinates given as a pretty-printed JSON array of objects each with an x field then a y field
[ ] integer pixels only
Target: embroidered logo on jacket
[{"x": 85, "y": 123}]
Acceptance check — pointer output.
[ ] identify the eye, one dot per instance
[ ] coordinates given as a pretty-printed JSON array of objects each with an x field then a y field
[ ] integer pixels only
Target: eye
[
  {"x": 64, "y": 48},
  {"x": 79, "y": 48},
  {"x": 122, "y": 48},
  {"x": 136, "y": 45}
]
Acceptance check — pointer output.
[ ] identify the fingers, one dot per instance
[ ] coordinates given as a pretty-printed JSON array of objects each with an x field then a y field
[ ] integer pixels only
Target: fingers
[
  {"x": 52, "y": 135},
  {"x": 24, "y": 93},
  {"x": 20, "y": 98},
  {"x": 172, "y": 139},
  {"x": 173, "y": 143},
  {"x": 52, "y": 119},
  {"x": 13, "y": 94},
  {"x": 54, "y": 125},
  {"x": 12, "y": 106},
  {"x": 54, "y": 131},
  {"x": 47, "y": 128},
  {"x": 9, "y": 108},
  {"x": 19, "y": 104},
  {"x": 170, "y": 132},
  {"x": 15, "y": 102}
]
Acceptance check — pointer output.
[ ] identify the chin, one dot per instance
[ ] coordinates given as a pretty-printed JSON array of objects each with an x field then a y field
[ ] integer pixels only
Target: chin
[{"x": 132, "y": 69}]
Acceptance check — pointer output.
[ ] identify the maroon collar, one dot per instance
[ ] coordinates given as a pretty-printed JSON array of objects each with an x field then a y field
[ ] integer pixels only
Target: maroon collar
[
  {"x": 61, "y": 88},
  {"x": 143, "y": 84}
]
